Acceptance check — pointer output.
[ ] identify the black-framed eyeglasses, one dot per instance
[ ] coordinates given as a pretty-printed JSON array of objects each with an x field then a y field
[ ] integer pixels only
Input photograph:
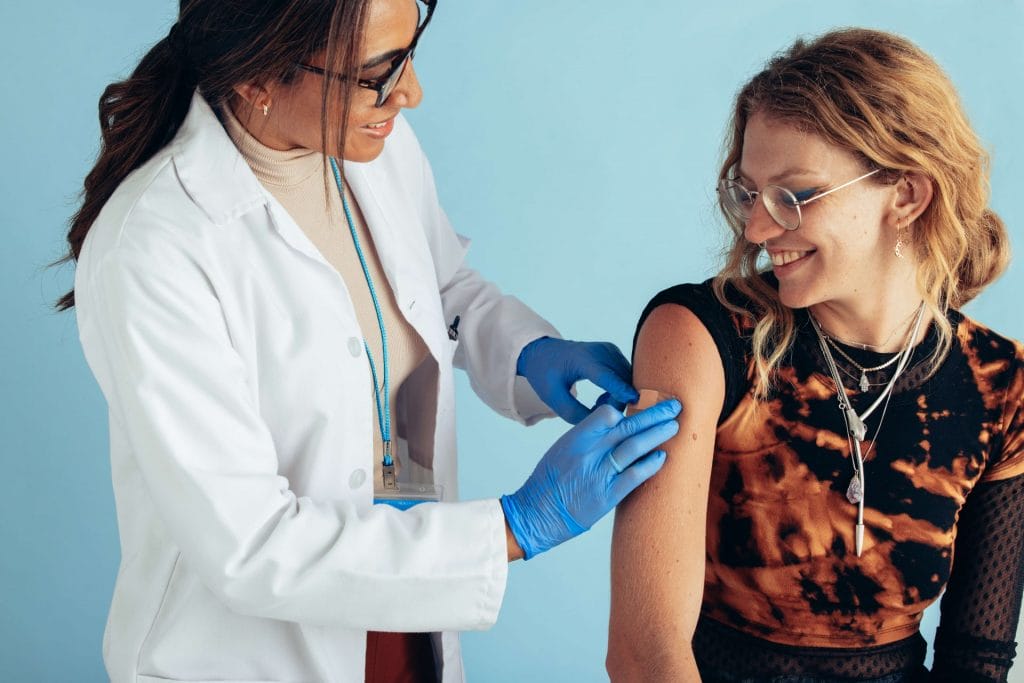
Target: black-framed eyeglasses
[{"x": 391, "y": 69}]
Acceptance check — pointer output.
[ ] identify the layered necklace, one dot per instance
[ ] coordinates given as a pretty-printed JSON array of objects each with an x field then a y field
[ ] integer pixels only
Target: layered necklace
[
  {"x": 855, "y": 422},
  {"x": 863, "y": 381}
]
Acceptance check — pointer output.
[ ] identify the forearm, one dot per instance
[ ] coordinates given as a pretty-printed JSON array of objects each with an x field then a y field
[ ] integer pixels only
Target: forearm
[
  {"x": 981, "y": 607},
  {"x": 667, "y": 664},
  {"x": 656, "y": 595}
]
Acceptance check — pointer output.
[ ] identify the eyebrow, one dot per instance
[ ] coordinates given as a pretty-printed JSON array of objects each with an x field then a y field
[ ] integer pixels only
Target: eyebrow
[
  {"x": 392, "y": 55},
  {"x": 781, "y": 176},
  {"x": 384, "y": 58}
]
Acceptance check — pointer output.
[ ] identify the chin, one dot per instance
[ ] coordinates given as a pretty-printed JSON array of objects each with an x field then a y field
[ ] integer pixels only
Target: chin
[
  {"x": 797, "y": 297},
  {"x": 363, "y": 150}
]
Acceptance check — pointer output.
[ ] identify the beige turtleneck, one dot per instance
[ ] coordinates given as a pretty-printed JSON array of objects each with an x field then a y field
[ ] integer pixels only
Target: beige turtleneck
[{"x": 296, "y": 179}]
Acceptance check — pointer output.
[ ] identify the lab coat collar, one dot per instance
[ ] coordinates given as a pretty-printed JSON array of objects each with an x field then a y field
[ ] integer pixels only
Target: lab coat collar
[
  {"x": 204, "y": 156},
  {"x": 217, "y": 178}
]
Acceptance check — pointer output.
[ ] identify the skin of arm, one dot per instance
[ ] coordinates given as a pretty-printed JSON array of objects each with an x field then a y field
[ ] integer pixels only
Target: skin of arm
[
  {"x": 515, "y": 552},
  {"x": 658, "y": 543}
]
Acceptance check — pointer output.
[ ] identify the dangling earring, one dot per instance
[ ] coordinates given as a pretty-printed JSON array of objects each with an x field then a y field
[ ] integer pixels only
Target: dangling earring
[
  {"x": 266, "y": 108},
  {"x": 898, "y": 250}
]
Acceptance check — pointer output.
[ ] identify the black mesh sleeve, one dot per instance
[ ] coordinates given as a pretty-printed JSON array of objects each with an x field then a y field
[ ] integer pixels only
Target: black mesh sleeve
[
  {"x": 975, "y": 640},
  {"x": 701, "y": 301}
]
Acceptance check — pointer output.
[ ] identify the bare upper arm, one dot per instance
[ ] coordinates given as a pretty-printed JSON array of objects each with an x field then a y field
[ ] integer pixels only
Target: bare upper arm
[{"x": 658, "y": 541}]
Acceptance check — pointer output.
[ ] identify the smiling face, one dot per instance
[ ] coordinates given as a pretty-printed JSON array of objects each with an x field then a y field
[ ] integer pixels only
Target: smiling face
[
  {"x": 294, "y": 109},
  {"x": 843, "y": 249}
]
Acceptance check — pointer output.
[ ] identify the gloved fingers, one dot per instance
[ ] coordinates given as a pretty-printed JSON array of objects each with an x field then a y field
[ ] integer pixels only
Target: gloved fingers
[
  {"x": 602, "y": 420},
  {"x": 617, "y": 376},
  {"x": 606, "y": 399},
  {"x": 631, "y": 477},
  {"x": 638, "y": 445},
  {"x": 616, "y": 383},
  {"x": 664, "y": 411},
  {"x": 567, "y": 407}
]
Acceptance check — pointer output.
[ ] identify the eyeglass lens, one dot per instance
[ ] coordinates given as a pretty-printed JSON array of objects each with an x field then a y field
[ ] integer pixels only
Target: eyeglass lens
[
  {"x": 780, "y": 203},
  {"x": 392, "y": 80}
]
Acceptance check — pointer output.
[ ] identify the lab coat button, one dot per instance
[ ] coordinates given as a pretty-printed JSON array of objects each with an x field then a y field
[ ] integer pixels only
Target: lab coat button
[
  {"x": 357, "y": 478},
  {"x": 354, "y": 346}
]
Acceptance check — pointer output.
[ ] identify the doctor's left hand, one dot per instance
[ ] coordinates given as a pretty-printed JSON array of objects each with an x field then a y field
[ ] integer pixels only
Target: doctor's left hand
[{"x": 552, "y": 366}]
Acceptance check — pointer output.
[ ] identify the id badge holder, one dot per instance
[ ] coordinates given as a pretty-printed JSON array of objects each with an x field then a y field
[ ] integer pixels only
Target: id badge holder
[{"x": 404, "y": 495}]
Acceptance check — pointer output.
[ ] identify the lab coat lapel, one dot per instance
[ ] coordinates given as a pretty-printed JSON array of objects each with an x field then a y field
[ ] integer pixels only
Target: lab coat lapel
[
  {"x": 292, "y": 234},
  {"x": 401, "y": 247},
  {"x": 216, "y": 176}
]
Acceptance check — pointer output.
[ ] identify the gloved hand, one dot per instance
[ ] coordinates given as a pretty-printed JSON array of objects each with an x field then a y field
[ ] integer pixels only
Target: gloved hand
[
  {"x": 552, "y": 366},
  {"x": 586, "y": 473}
]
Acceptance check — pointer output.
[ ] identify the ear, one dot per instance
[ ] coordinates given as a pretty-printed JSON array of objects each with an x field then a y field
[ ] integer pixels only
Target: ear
[
  {"x": 914, "y": 192},
  {"x": 254, "y": 95}
]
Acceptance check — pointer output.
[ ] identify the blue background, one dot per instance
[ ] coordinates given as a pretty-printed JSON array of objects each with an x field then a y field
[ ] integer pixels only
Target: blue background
[{"x": 576, "y": 143}]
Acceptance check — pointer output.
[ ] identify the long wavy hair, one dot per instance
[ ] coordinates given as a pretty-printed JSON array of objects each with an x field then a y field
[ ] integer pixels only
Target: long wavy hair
[
  {"x": 880, "y": 97},
  {"x": 214, "y": 46}
]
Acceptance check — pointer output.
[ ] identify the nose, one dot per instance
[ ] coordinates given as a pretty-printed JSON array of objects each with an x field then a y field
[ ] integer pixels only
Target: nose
[
  {"x": 760, "y": 226},
  {"x": 407, "y": 93}
]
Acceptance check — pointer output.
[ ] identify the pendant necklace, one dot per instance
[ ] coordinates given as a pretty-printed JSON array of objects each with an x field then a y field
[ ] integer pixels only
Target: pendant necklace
[
  {"x": 863, "y": 381},
  {"x": 855, "y": 426}
]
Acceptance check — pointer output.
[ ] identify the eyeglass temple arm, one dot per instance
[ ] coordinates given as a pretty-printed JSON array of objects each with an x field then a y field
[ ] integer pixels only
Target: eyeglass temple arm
[{"x": 807, "y": 201}]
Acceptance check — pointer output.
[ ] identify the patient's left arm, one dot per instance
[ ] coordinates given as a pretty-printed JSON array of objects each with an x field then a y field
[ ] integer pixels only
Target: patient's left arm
[{"x": 659, "y": 536}]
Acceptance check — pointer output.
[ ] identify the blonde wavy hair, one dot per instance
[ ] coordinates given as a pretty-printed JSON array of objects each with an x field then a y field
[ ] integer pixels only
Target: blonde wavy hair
[{"x": 883, "y": 99}]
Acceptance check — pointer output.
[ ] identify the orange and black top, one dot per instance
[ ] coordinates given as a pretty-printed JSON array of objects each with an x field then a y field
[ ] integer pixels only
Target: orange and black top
[{"x": 944, "y": 509}]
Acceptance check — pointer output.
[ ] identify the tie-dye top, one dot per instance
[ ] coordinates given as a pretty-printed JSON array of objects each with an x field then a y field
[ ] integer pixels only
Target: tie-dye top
[{"x": 781, "y": 564}]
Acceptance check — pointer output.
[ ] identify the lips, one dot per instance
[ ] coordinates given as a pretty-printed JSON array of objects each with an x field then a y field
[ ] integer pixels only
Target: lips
[
  {"x": 379, "y": 129},
  {"x": 782, "y": 257}
]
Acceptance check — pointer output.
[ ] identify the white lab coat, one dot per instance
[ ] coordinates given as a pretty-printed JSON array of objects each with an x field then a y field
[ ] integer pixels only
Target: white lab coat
[{"x": 241, "y": 429}]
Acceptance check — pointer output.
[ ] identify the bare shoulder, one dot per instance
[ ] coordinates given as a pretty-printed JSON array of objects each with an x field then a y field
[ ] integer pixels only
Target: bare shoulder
[{"x": 675, "y": 354}]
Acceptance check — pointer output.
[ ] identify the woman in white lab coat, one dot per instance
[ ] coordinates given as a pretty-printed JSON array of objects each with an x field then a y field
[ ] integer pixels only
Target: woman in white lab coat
[{"x": 257, "y": 315}]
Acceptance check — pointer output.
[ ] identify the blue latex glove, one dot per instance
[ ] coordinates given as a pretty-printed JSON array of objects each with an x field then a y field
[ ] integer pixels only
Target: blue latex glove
[
  {"x": 586, "y": 473},
  {"x": 552, "y": 366}
]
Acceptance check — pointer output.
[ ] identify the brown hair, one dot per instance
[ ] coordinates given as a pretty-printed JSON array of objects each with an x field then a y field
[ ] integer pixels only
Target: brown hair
[
  {"x": 883, "y": 99},
  {"x": 214, "y": 46}
]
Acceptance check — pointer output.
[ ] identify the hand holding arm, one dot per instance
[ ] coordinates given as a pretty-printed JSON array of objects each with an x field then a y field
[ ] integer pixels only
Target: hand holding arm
[
  {"x": 552, "y": 366},
  {"x": 586, "y": 473}
]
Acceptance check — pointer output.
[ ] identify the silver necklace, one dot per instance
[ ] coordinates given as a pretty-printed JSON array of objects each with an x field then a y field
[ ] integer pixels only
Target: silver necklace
[
  {"x": 863, "y": 381},
  {"x": 855, "y": 427},
  {"x": 871, "y": 347}
]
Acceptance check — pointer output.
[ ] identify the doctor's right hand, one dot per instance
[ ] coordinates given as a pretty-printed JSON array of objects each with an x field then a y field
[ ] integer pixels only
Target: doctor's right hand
[{"x": 587, "y": 472}]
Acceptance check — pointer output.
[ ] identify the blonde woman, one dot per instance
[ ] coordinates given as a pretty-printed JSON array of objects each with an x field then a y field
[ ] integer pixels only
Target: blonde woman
[{"x": 852, "y": 445}]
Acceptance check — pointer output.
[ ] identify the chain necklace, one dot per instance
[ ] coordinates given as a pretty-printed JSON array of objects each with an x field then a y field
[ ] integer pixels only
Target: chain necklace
[
  {"x": 870, "y": 347},
  {"x": 855, "y": 427},
  {"x": 863, "y": 382}
]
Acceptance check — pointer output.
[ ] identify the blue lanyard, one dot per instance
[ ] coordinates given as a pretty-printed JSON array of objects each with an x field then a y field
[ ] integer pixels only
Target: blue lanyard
[{"x": 383, "y": 404}]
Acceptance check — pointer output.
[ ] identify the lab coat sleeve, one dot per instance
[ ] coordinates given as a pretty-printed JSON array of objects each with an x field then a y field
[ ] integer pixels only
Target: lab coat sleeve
[
  {"x": 493, "y": 327},
  {"x": 154, "y": 332}
]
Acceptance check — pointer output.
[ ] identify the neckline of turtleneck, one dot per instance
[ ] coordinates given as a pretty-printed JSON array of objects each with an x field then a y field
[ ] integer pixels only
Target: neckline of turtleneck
[{"x": 275, "y": 167}]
